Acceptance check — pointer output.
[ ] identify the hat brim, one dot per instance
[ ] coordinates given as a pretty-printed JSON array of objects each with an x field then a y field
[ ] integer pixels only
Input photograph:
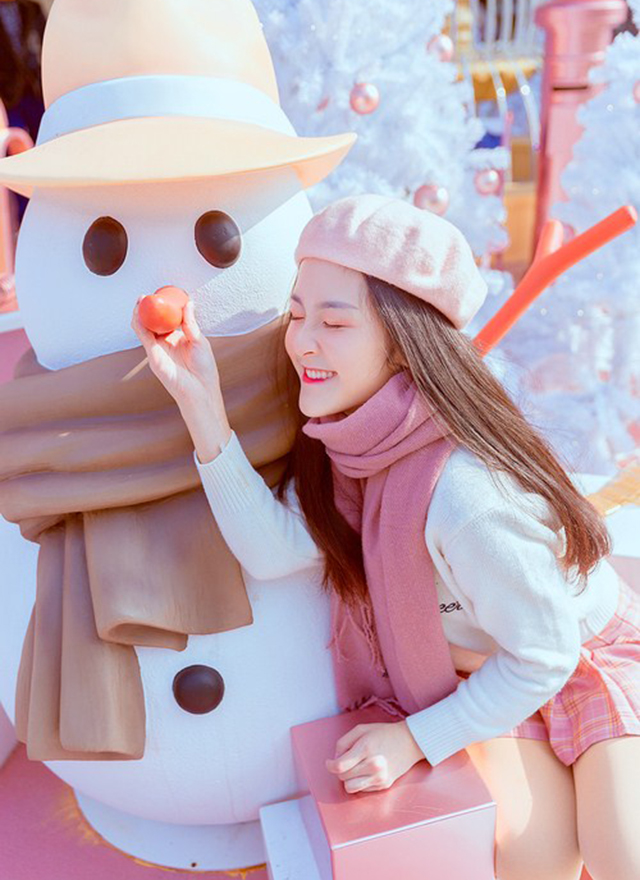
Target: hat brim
[{"x": 169, "y": 148}]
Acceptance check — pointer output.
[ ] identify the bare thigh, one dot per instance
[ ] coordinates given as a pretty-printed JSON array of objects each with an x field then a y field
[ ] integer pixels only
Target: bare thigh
[
  {"x": 536, "y": 834},
  {"x": 607, "y": 782}
]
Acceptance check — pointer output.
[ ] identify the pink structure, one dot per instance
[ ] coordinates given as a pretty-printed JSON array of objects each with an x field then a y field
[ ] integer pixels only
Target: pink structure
[
  {"x": 12, "y": 140},
  {"x": 44, "y": 836},
  {"x": 577, "y": 35},
  {"x": 13, "y": 342},
  {"x": 12, "y": 346}
]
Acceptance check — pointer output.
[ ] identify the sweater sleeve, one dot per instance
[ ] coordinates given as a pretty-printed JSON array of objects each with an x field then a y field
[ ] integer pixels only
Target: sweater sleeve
[
  {"x": 505, "y": 565},
  {"x": 268, "y": 538}
]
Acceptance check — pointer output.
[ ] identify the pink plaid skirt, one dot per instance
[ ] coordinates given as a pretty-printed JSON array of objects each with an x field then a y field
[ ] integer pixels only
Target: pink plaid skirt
[{"x": 601, "y": 700}]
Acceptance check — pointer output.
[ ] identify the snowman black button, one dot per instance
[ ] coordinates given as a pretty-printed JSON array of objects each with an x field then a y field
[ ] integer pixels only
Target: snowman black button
[
  {"x": 198, "y": 689},
  {"x": 218, "y": 239}
]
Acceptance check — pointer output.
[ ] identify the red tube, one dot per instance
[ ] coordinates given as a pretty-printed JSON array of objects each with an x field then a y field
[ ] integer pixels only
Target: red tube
[{"x": 547, "y": 268}]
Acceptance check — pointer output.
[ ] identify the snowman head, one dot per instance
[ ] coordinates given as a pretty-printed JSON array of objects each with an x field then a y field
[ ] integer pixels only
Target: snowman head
[
  {"x": 86, "y": 254},
  {"x": 141, "y": 140}
]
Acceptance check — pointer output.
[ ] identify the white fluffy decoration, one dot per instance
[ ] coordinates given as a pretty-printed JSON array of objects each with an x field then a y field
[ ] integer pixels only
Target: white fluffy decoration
[{"x": 424, "y": 129}]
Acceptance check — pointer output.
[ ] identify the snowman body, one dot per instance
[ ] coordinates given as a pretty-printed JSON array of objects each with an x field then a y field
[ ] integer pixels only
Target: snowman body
[{"x": 215, "y": 769}]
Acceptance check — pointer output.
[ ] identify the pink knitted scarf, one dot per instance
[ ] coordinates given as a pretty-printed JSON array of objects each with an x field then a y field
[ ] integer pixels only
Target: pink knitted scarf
[{"x": 387, "y": 456}]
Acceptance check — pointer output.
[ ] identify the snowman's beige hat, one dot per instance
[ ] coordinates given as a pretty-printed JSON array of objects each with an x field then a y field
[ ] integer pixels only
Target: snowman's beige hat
[{"x": 149, "y": 90}]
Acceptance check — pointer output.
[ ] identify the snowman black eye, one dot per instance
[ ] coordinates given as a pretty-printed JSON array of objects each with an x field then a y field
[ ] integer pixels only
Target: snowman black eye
[
  {"x": 105, "y": 246},
  {"x": 218, "y": 239}
]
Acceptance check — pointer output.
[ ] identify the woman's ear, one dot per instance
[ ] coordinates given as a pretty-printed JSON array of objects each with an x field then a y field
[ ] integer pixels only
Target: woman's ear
[{"x": 397, "y": 361}]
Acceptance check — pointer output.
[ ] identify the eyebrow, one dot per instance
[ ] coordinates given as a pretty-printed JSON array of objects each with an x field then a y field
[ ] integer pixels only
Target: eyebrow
[{"x": 330, "y": 304}]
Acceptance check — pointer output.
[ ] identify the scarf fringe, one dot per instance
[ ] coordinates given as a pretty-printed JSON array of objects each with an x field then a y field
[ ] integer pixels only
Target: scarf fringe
[
  {"x": 367, "y": 630},
  {"x": 389, "y": 705}
]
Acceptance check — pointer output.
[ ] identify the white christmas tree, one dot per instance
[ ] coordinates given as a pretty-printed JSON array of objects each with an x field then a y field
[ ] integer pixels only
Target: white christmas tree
[
  {"x": 581, "y": 343},
  {"x": 384, "y": 70}
]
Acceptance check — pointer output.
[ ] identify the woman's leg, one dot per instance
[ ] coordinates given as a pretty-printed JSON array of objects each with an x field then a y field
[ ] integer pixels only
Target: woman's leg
[
  {"x": 536, "y": 837},
  {"x": 607, "y": 781}
]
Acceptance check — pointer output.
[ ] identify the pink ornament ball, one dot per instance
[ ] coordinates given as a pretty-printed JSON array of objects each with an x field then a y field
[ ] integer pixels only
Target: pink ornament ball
[
  {"x": 636, "y": 92},
  {"x": 364, "y": 98},
  {"x": 487, "y": 181},
  {"x": 432, "y": 197},
  {"x": 441, "y": 46}
]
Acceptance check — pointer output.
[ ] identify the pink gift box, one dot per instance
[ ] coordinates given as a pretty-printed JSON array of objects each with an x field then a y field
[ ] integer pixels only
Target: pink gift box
[{"x": 434, "y": 822}]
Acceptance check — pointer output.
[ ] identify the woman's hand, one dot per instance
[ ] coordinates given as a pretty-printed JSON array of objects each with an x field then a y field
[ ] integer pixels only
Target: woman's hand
[
  {"x": 372, "y": 756},
  {"x": 183, "y": 361},
  {"x": 186, "y": 366}
]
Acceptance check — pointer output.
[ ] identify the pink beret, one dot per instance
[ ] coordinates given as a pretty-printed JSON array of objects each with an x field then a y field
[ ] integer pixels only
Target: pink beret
[{"x": 406, "y": 246}]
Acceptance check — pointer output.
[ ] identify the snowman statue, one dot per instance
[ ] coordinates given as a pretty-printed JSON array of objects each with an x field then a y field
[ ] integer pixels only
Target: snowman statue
[{"x": 137, "y": 659}]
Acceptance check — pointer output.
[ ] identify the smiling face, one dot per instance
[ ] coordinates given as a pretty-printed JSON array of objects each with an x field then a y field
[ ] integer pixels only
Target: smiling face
[
  {"x": 85, "y": 255},
  {"x": 335, "y": 341}
]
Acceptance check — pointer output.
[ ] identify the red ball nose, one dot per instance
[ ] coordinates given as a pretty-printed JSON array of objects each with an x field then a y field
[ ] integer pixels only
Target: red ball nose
[
  {"x": 161, "y": 312},
  {"x": 171, "y": 291}
]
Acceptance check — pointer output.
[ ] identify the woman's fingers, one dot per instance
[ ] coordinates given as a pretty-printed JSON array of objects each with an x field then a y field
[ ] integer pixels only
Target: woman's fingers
[
  {"x": 157, "y": 349},
  {"x": 146, "y": 337},
  {"x": 348, "y": 760},
  {"x": 360, "y": 783},
  {"x": 357, "y": 767},
  {"x": 370, "y": 775},
  {"x": 345, "y": 742},
  {"x": 374, "y": 766},
  {"x": 190, "y": 326},
  {"x": 183, "y": 360}
]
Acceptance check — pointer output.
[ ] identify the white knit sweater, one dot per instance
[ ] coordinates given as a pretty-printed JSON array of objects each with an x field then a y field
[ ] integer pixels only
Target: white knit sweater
[{"x": 511, "y": 617}]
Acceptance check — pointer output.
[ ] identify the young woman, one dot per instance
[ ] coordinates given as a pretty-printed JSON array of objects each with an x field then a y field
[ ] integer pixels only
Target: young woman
[{"x": 468, "y": 594}]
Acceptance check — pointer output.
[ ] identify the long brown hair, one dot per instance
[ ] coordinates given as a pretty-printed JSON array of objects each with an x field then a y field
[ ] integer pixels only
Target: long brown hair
[{"x": 450, "y": 373}]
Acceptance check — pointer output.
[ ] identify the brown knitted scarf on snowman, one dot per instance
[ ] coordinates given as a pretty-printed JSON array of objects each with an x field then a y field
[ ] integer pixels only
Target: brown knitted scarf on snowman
[{"x": 96, "y": 465}]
